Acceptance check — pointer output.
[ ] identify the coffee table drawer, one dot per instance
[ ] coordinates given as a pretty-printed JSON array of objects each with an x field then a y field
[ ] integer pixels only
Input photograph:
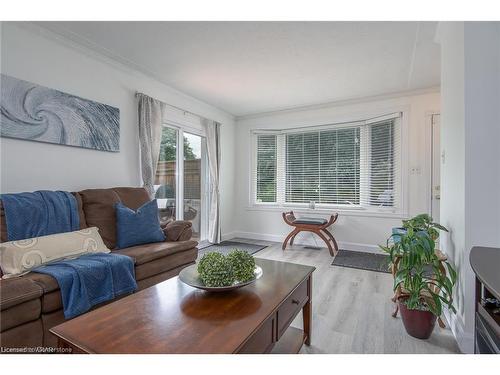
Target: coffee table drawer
[
  {"x": 261, "y": 341},
  {"x": 292, "y": 305}
]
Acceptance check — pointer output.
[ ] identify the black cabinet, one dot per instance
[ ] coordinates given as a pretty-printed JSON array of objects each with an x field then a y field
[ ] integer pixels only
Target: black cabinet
[{"x": 485, "y": 262}]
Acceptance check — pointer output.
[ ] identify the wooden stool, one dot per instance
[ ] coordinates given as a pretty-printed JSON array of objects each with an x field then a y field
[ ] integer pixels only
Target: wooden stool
[{"x": 314, "y": 225}]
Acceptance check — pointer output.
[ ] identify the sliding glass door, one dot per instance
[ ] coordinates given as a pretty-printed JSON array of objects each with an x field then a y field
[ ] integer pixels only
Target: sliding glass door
[
  {"x": 194, "y": 182},
  {"x": 166, "y": 175},
  {"x": 181, "y": 179}
]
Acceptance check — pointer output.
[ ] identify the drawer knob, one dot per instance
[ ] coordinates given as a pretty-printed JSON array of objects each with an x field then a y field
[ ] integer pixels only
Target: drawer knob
[{"x": 295, "y": 301}]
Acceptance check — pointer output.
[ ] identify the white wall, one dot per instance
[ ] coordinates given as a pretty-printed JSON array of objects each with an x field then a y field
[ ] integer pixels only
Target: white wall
[
  {"x": 38, "y": 56},
  {"x": 470, "y": 174},
  {"x": 353, "y": 231},
  {"x": 482, "y": 133},
  {"x": 453, "y": 148}
]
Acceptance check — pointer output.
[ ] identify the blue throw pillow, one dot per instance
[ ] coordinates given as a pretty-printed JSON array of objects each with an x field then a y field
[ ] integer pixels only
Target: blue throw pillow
[{"x": 137, "y": 227}]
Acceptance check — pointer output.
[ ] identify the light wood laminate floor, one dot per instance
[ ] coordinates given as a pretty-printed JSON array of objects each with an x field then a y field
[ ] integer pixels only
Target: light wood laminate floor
[{"x": 352, "y": 308}]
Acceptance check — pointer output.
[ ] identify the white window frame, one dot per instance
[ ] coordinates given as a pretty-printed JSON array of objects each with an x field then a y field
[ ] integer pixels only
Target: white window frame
[{"x": 401, "y": 161}]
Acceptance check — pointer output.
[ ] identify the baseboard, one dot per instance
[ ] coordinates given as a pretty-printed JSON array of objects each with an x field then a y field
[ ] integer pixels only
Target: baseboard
[
  {"x": 465, "y": 340},
  {"x": 309, "y": 241},
  {"x": 366, "y": 248},
  {"x": 228, "y": 236}
]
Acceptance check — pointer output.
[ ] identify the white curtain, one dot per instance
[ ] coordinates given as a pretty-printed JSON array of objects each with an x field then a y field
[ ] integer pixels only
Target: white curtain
[
  {"x": 150, "y": 128},
  {"x": 213, "y": 151}
]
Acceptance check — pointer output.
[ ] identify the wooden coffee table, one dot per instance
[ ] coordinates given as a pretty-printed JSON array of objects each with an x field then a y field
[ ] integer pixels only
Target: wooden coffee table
[{"x": 172, "y": 317}]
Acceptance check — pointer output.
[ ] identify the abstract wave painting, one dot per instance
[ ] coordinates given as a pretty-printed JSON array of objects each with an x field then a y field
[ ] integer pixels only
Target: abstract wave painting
[{"x": 37, "y": 113}]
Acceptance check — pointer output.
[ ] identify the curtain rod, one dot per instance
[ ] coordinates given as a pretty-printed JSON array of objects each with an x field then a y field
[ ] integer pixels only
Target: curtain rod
[{"x": 173, "y": 106}]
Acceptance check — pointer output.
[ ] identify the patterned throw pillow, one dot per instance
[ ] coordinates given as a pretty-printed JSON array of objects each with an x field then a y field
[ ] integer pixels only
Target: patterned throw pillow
[
  {"x": 20, "y": 257},
  {"x": 138, "y": 227}
]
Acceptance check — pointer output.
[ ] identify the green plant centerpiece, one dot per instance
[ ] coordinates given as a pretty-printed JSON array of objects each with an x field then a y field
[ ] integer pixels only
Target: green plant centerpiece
[
  {"x": 215, "y": 270},
  {"x": 219, "y": 270},
  {"x": 243, "y": 265},
  {"x": 423, "y": 277}
]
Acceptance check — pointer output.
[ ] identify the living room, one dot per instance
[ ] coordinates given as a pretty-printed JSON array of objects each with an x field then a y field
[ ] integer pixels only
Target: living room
[{"x": 239, "y": 186}]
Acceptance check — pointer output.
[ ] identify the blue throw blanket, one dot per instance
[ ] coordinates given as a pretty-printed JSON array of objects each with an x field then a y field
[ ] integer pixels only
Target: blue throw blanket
[
  {"x": 40, "y": 213},
  {"x": 90, "y": 280}
]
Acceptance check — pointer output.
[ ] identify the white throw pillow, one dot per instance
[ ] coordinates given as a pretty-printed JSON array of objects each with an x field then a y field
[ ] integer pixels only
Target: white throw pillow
[{"x": 20, "y": 257}]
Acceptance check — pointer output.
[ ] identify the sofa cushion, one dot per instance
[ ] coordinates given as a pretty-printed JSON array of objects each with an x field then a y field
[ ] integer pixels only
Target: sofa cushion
[
  {"x": 160, "y": 277},
  {"x": 26, "y": 335},
  {"x": 20, "y": 314},
  {"x": 99, "y": 208},
  {"x": 137, "y": 227},
  {"x": 51, "y": 298},
  {"x": 149, "y": 252},
  {"x": 52, "y": 301},
  {"x": 49, "y": 321},
  {"x": 160, "y": 265},
  {"x": 81, "y": 215},
  {"x": 18, "y": 290},
  {"x": 46, "y": 282}
]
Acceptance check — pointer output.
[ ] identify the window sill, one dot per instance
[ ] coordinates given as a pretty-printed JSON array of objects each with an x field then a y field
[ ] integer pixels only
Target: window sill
[{"x": 343, "y": 211}]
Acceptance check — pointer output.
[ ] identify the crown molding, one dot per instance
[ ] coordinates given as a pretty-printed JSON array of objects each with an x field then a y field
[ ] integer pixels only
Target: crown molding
[
  {"x": 91, "y": 49},
  {"x": 339, "y": 103}
]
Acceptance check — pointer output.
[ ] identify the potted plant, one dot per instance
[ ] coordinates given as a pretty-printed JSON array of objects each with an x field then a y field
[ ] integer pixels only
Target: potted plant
[
  {"x": 423, "y": 277},
  {"x": 421, "y": 223}
]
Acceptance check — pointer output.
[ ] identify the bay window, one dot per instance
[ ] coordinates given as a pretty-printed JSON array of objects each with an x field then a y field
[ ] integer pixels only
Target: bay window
[{"x": 356, "y": 165}]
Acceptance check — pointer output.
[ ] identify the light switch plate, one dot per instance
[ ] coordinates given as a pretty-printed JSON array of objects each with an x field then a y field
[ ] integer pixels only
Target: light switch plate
[{"x": 415, "y": 170}]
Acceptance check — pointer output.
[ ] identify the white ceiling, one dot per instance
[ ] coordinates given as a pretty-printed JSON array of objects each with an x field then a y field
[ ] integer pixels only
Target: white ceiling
[{"x": 253, "y": 67}]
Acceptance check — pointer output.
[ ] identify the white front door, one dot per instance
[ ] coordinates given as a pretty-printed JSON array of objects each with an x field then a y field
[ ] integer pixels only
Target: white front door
[{"x": 436, "y": 168}]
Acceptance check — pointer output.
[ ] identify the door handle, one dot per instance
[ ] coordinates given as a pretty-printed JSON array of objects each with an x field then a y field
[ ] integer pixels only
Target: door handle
[{"x": 437, "y": 194}]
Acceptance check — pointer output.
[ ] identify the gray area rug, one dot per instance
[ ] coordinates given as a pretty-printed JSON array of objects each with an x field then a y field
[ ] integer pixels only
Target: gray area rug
[
  {"x": 226, "y": 246},
  {"x": 362, "y": 261}
]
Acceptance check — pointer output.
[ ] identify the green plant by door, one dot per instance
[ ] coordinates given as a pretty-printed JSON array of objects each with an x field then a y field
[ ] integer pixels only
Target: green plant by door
[{"x": 424, "y": 279}]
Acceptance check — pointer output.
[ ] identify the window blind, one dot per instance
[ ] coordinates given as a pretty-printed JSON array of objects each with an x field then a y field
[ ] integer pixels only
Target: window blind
[
  {"x": 354, "y": 164},
  {"x": 382, "y": 166},
  {"x": 266, "y": 168},
  {"x": 323, "y": 167}
]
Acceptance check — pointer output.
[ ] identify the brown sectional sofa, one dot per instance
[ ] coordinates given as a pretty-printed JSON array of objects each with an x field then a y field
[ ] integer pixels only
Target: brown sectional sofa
[{"x": 30, "y": 305}]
